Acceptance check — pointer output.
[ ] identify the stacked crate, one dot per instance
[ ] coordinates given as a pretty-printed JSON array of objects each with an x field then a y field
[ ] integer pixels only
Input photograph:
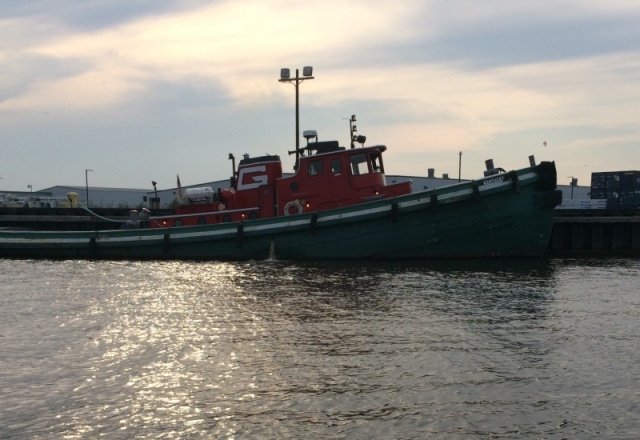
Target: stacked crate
[{"x": 621, "y": 189}]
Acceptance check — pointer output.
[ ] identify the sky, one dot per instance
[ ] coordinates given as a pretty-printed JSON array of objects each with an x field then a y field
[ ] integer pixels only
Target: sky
[{"x": 142, "y": 90}]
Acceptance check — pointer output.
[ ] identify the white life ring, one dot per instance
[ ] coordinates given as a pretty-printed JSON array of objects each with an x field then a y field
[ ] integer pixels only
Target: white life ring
[{"x": 293, "y": 208}]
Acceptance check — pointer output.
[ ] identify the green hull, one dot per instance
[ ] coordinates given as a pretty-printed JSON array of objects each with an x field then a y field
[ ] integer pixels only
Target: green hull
[{"x": 509, "y": 215}]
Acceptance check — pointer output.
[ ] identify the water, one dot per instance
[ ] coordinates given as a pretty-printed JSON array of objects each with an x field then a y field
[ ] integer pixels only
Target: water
[{"x": 507, "y": 349}]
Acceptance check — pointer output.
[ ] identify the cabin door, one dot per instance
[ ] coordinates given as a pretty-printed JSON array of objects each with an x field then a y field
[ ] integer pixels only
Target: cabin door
[
  {"x": 267, "y": 201},
  {"x": 339, "y": 181}
]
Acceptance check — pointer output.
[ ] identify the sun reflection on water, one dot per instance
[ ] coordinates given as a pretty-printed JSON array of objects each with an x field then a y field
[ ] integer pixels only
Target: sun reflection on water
[
  {"x": 222, "y": 350},
  {"x": 171, "y": 347}
]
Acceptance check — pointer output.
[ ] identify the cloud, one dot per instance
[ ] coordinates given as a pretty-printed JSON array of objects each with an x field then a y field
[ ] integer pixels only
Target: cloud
[
  {"x": 230, "y": 43},
  {"x": 428, "y": 78}
]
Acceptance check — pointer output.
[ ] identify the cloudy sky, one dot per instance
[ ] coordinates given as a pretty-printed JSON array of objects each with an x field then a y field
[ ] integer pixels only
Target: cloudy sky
[{"x": 142, "y": 90}]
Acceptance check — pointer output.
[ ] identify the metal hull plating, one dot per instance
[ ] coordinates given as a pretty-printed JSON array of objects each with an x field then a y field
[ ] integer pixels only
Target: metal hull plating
[{"x": 509, "y": 215}]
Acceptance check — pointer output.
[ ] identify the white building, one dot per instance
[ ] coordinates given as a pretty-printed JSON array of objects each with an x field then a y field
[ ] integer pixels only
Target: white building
[{"x": 103, "y": 197}]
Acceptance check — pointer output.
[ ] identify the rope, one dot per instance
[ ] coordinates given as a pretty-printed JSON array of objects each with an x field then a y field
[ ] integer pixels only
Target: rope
[{"x": 99, "y": 216}]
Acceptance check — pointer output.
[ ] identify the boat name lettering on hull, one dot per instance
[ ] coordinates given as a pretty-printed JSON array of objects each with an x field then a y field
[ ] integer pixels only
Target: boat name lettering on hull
[{"x": 494, "y": 180}]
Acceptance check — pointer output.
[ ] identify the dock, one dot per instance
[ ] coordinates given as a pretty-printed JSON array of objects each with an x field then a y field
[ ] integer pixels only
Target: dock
[{"x": 603, "y": 234}]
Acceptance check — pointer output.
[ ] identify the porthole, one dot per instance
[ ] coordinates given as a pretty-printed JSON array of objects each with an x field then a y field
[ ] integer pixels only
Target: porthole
[
  {"x": 202, "y": 220},
  {"x": 294, "y": 186},
  {"x": 177, "y": 222}
]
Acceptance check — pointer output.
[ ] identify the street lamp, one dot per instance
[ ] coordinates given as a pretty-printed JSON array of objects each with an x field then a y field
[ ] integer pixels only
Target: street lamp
[
  {"x": 156, "y": 202},
  {"x": 86, "y": 182},
  {"x": 459, "y": 166},
  {"x": 285, "y": 76}
]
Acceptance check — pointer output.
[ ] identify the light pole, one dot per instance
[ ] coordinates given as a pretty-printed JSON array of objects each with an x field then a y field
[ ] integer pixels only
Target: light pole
[
  {"x": 459, "y": 166},
  {"x": 156, "y": 202},
  {"x": 574, "y": 183},
  {"x": 30, "y": 187},
  {"x": 86, "y": 182},
  {"x": 285, "y": 76}
]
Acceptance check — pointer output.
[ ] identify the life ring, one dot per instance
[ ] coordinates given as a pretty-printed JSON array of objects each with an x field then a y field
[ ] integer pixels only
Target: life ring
[{"x": 293, "y": 208}]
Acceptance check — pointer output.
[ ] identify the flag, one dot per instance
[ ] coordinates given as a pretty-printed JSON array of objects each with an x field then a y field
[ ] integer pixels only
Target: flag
[
  {"x": 544, "y": 143},
  {"x": 179, "y": 187}
]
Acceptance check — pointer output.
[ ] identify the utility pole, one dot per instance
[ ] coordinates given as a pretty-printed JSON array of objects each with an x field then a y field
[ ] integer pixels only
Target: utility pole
[
  {"x": 86, "y": 183},
  {"x": 285, "y": 76}
]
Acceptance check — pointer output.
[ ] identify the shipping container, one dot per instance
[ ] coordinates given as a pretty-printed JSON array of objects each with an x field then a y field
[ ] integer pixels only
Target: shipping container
[{"x": 621, "y": 189}]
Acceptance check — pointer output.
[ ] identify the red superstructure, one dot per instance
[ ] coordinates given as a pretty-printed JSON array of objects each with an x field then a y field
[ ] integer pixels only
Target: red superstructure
[{"x": 327, "y": 177}]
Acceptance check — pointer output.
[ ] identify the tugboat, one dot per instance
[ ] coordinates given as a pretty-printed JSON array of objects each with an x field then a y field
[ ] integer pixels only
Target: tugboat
[{"x": 337, "y": 205}]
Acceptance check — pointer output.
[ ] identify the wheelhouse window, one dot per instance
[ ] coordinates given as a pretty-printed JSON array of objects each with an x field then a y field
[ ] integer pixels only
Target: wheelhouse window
[
  {"x": 376, "y": 162},
  {"x": 359, "y": 164},
  {"x": 336, "y": 166},
  {"x": 316, "y": 167}
]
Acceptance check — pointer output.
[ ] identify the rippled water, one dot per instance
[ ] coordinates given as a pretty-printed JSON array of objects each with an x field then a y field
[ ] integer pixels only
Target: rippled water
[{"x": 506, "y": 349}]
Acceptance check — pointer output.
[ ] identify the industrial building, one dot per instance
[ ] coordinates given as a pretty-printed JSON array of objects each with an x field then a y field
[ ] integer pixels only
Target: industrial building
[{"x": 607, "y": 189}]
